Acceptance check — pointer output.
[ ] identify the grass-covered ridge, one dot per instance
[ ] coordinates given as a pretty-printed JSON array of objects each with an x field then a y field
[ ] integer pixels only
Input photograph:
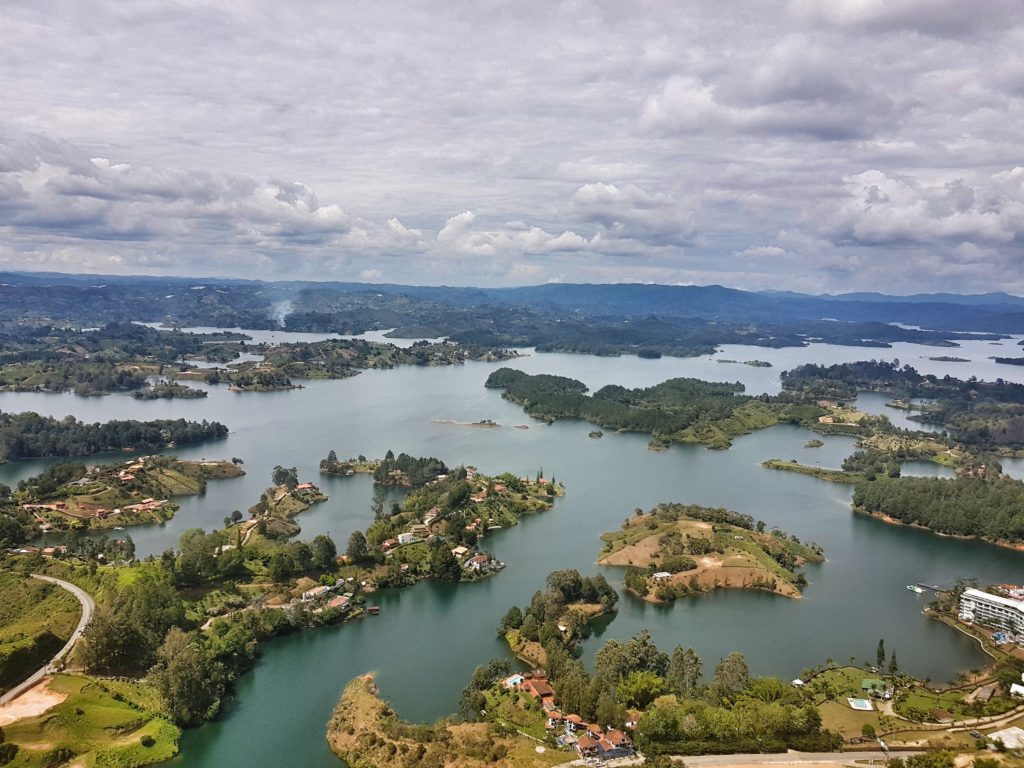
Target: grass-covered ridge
[
  {"x": 98, "y": 723},
  {"x": 366, "y": 733},
  {"x": 695, "y": 549},
  {"x": 36, "y": 619}
]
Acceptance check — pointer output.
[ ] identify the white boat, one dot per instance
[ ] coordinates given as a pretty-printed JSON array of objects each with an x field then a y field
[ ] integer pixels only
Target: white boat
[{"x": 915, "y": 588}]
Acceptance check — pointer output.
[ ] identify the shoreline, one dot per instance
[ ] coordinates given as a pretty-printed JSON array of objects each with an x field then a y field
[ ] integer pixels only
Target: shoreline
[{"x": 889, "y": 520}]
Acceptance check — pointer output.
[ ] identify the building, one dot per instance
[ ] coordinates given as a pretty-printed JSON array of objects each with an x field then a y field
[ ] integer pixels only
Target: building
[
  {"x": 314, "y": 593},
  {"x": 1011, "y": 738},
  {"x": 992, "y": 610}
]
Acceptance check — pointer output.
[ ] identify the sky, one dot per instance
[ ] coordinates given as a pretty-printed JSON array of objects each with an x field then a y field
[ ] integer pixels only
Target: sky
[{"x": 797, "y": 144}]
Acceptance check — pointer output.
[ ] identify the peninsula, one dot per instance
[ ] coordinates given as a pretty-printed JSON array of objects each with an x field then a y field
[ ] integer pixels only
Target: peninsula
[{"x": 74, "y": 496}]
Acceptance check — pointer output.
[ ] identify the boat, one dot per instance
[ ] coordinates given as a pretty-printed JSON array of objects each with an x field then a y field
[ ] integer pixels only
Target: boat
[
  {"x": 915, "y": 588},
  {"x": 118, "y": 527},
  {"x": 373, "y": 610}
]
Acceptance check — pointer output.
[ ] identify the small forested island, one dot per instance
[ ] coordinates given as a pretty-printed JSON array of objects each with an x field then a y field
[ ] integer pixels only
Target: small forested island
[
  {"x": 287, "y": 496},
  {"x": 751, "y": 363},
  {"x": 332, "y": 465},
  {"x": 1009, "y": 360},
  {"x": 74, "y": 496},
  {"x": 815, "y": 443},
  {"x": 168, "y": 390},
  {"x": 560, "y": 612},
  {"x": 677, "y": 550},
  {"x": 595, "y": 433},
  {"x": 675, "y": 411},
  {"x": 31, "y": 436},
  {"x": 948, "y": 359}
]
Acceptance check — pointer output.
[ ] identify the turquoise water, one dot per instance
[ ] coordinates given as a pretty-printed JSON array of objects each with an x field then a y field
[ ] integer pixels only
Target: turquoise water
[{"x": 427, "y": 640}]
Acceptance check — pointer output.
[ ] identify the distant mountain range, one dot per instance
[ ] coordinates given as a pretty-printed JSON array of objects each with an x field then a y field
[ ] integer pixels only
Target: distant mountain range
[{"x": 183, "y": 299}]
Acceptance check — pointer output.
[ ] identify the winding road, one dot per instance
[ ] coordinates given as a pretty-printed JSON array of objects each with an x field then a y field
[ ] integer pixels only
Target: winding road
[{"x": 88, "y": 607}]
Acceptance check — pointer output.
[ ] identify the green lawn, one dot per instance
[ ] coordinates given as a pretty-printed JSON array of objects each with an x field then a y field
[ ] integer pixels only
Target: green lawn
[{"x": 95, "y": 726}]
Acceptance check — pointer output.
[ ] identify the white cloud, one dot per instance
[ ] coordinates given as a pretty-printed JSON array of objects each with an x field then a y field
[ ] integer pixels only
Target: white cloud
[
  {"x": 886, "y": 208},
  {"x": 650, "y": 142}
]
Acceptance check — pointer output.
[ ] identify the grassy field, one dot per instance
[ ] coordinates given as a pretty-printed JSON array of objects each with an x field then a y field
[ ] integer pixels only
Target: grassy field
[
  {"x": 36, "y": 619},
  {"x": 93, "y": 725}
]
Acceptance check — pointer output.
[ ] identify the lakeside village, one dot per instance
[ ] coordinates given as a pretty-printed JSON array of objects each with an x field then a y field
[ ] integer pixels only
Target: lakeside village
[
  {"x": 114, "y": 496},
  {"x": 572, "y": 731}
]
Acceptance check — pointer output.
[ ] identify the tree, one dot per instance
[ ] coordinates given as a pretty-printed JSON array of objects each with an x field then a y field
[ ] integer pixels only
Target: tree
[
  {"x": 356, "y": 550},
  {"x": 287, "y": 476},
  {"x": 189, "y": 681},
  {"x": 610, "y": 713},
  {"x": 280, "y": 567},
  {"x": 893, "y": 666},
  {"x": 236, "y": 516},
  {"x": 640, "y": 688},
  {"x": 443, "y": 564},
  {"x": 684, "y": 671},
  {"x": 731, "y": 675},
  {"x": 568, "y": 582},
  {"x": 513, "y": 619},
  {"x": 332, "y": 456},
  {"x": 323, "y": 551},
  {"x": 880, "y": 655}
]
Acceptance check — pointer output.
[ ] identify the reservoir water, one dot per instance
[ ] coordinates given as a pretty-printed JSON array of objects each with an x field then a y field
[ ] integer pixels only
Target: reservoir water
[{"x": 427, "y": 640}]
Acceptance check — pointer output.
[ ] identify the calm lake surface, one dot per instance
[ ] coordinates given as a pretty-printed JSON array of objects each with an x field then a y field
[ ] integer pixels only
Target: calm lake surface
[{"x": 427, "y": 640}]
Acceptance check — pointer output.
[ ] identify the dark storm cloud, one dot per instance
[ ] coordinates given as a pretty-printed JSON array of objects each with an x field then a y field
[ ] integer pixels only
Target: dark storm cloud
[{"x": 757, "y": 144}]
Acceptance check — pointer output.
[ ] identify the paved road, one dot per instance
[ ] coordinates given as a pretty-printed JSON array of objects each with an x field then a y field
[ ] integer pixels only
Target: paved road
[
  {"x": 88, "y": 606},
  {"x": 787, "y": 758}
]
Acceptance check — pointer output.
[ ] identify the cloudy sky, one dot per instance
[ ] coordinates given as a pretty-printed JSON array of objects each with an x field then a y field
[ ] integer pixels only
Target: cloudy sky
[{"x": 808, "y": 145}]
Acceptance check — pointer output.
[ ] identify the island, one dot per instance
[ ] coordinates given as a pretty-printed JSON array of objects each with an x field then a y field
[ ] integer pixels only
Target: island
[
  {"x": 676, "y": 411},
  {"x": 31, "y": 436},
  {"x": 437, "y": 530},
  {"x": 566, "y": 608},
  {"x": 338, "y": 359},
  {"x": 677, "y": 550},
  {"x": 165, "y": 390}
]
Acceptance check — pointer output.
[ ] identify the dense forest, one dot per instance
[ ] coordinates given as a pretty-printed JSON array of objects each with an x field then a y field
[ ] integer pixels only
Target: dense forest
[
  {"x": 31, "y": 436},
  {"x": 963, "y": 507},
  {"x": 677, "y": 410}
]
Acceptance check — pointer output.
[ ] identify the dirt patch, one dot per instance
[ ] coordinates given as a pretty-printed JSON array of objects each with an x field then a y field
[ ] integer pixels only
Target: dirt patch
[
  {"x": 35, "y": 701},
  {"x": 718, "y": 576}
]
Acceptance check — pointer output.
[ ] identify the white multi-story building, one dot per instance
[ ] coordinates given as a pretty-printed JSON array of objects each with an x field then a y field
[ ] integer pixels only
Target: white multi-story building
[{"x": 992, "y": 611}]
